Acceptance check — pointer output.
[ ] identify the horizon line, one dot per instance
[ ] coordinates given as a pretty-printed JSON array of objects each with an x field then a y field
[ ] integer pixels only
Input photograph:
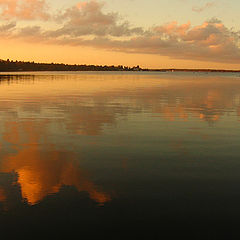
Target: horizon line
[{"x": 123, "y": 67}]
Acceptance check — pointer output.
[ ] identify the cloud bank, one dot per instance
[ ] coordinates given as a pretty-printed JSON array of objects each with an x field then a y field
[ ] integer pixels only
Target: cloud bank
[{"x": 86, "y": 24}]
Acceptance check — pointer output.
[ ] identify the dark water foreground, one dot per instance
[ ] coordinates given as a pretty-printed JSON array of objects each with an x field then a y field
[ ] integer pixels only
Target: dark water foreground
[{"x": 120, "y": 155}]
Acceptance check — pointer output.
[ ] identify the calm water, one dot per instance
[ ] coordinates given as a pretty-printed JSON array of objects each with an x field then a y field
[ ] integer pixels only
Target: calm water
[{"x": 120, "y": 155}]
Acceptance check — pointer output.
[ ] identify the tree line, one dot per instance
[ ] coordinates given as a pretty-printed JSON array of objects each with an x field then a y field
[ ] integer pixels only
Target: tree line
[{"x": 18, "y": 66}]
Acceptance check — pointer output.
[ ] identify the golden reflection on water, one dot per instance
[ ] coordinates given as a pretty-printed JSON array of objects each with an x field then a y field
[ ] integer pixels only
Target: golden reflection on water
[
  {"x": 40, "y": 173},
  {"x": 89, "y": 101},
  {"x": 83, "y": 105}
]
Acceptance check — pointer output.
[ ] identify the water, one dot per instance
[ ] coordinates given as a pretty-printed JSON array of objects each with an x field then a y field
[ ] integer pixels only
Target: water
[{"x": 120, "y": 155}]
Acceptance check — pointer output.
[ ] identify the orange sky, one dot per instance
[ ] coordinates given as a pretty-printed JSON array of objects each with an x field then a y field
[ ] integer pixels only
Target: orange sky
[
  {"x": 95, "y": 32},
  {"x": 16, "y": 50}
]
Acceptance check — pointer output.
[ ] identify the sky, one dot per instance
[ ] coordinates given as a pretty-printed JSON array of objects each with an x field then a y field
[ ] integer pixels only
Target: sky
[{"x": 149, "y": 33}]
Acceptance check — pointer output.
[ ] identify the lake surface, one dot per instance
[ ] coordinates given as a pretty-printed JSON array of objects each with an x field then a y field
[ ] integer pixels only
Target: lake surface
[{"x": 120, "y": 155}]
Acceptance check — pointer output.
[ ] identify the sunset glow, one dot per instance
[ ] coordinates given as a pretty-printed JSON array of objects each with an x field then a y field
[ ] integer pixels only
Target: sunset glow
[
  {"x": 203, "y": 35},
  {"x": 120, "y": 119}
]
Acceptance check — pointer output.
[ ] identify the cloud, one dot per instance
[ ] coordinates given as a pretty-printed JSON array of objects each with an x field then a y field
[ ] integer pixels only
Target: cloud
[
  {"x": 87, "y": 18},
  {"x": 211, "y": 41},
  {"x": 7, "y": 27},
  {"x": 206, "y": 6},
  {"x": 23, "y": 9}
]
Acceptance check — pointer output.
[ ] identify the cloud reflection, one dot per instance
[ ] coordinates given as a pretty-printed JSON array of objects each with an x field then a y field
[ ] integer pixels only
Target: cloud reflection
[
  {"x": 42, "y": 171},
  {"x": 84, "y": 106}
]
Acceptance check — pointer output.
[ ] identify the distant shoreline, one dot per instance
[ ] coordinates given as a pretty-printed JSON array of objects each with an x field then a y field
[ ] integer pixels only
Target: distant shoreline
[
  {"x": 193, "y": 70},
  {"x": 21, "y": 66},
  {"x": 142, "y": 70}
]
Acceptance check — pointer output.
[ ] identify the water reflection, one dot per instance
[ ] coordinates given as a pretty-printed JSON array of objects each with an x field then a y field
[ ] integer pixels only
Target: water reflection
[
  {"x": 83, "y": 105},
  {"x": 141, "y": 145},
  {"x": 41, "y": 170},
  {"x": 89, "y": 101}
]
